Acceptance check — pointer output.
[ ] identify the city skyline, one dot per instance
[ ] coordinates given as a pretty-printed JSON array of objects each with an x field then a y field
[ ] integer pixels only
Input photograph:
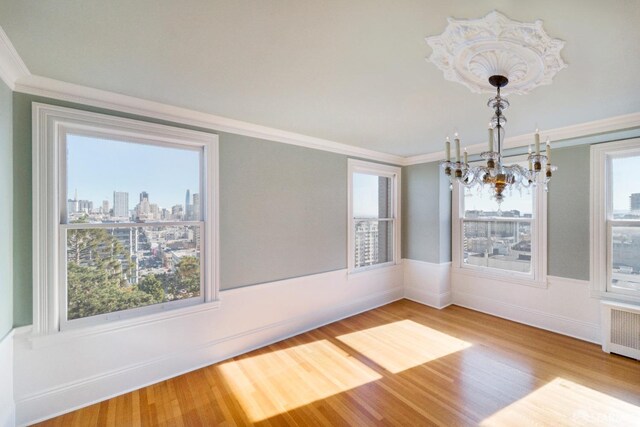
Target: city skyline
[
  {"x": 132, "y": 168},
  {"x": 119, "y": 208}
]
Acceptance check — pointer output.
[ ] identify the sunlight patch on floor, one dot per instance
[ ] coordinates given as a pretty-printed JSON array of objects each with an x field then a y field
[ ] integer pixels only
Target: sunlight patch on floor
[
  {"x": 402, "y": 345},
  {"x": 565, "y": 403},
  {"x": 273, "y": 383}
]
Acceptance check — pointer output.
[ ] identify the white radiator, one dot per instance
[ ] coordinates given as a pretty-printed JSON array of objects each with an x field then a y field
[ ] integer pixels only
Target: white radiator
[{"x": 621, "y": 329}]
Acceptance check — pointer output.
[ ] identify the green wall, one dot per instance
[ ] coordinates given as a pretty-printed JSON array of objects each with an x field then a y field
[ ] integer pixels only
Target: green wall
[
  {"x": 282, "y": 208},
  {"x": 6, "y": 211},
  {"x": 568, "y": 214},
  {"x": 426, "y": 214},
  {"x": 283, "y": 211}
]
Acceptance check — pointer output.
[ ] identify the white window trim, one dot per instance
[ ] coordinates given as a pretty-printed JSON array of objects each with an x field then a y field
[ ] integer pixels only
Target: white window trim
[
  {"x": 600, "y": 177},
  {"x": 538, "y": 276},
  {"x": 392, "y": 172},
  {"x": 50, "y": 123}
]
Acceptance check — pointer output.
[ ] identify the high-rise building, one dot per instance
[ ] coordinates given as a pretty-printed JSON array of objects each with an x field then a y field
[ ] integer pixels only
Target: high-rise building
[
  {"x": 635, "y": 202},
  {"x": 85, "y": 206},
  {"x": 154, "y": 211},
  {"x": 121, "y": 204},
  {"x": 105, "y": 207},
  {"x": 196, "y": 214},
  {"x": 187, "y": 205},
  {"x": 144, "y": 196},
  {"x": 72, "y": 206},
  {"x": 177, "y": 212}
]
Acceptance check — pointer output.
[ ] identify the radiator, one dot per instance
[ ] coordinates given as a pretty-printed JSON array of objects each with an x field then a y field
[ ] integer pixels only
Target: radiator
[{"x": 621, "y": 329}]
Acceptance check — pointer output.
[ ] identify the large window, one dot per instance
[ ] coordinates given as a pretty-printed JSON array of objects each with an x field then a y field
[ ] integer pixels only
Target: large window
[
  {"x": 373, "y": 215},
  {"x": 504, "y": 239},
  {"x": 128, "y": 212},
  {"x": 616, "y": 219}
]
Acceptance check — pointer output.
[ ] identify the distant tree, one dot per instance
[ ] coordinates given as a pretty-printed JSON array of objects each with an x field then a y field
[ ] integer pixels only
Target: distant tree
[
  {"x": 95, "y": 247},
  {"x": 151, "y": 285},
  {"x": 96, "y": 280},
  {"x": 91, "y": 291},
  {"x": 188, "y": 274}
]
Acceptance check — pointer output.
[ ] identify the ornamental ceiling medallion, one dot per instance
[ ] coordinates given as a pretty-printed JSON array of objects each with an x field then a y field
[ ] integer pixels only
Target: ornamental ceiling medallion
[{"x": 469, "y": 51}]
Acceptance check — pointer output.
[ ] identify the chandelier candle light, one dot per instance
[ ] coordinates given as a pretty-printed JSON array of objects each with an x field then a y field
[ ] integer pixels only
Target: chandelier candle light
[{"x": 496, "y": 174}]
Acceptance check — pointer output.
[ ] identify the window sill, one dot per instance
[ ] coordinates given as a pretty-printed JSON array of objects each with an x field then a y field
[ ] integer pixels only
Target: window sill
[
  {"x": 373, "y": 268},
  {"x": 612, "y": 296},
  {"x": 502, "y": 277},
  {"x": 56, "y": 338}
]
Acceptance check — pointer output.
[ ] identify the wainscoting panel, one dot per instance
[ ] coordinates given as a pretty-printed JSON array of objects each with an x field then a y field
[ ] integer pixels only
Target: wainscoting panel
[
  {"x": 57, "y": 377},
  {"x": 564, "y": 306},
  {"x": 7, "y": 406},
  {"x": 427, "y": 283}
]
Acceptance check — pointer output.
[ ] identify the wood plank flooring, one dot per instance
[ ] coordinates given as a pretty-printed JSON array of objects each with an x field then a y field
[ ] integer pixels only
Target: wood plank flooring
[{"x": 401, "y": 364}]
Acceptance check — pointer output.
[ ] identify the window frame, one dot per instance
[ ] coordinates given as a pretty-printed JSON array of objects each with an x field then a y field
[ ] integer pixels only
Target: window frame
[
  {"x": 538, "y": 275},
  {"x": 601, "y": 217},
  {"x": 377, "y": 169},
  {"x": 51, "y": 125}
]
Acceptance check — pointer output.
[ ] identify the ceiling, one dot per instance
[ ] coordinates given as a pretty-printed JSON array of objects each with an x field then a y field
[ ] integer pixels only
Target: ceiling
[{"x": 348, "y": 71}]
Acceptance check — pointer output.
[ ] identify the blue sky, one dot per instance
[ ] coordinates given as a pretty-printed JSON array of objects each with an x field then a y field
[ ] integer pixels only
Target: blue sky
[
  {"x": 98, "y": 167},
  {"x": 626, "y": 180},
  {"x": 365, "y": 195}
]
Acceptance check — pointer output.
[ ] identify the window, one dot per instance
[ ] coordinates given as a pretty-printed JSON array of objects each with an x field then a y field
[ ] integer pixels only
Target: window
[
  {"x": 506, "y": 239},
  {"x": 373, "y": 215},
  {"x": 126, "y": 217},
  {"x": 615, "y": 219}
]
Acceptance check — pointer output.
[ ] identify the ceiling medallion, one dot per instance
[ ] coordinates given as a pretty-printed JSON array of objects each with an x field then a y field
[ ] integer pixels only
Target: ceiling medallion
[{"x": 469, "y": 51}]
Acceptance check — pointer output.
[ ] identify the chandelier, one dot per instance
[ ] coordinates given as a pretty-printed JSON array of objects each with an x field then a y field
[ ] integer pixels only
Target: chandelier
[
  {"x": 495, "y": 174},
  {"x": 485, "y": 54}
]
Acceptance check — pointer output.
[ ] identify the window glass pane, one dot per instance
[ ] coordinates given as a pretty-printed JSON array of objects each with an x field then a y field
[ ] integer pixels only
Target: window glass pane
[
  {"x": 625, "y": 260},
  {"x": 626, "y": 187},
  {"x": 478, "y": 202},
  {"x": 504, "y": 245},
  {"x": 373, "y": 241},
  {"x": 114, "y": 181},
  {"x": 371, "y": 196},
  {"x": 114, "y": 269}
]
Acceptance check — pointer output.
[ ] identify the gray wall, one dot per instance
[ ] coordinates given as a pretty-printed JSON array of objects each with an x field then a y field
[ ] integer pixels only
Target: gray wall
[
  {"x": 283, "y": 209},
  {"x": 426, "y": 214},
  {"x": 6, "y": 210},
  {"x": 568, "y": 214}
]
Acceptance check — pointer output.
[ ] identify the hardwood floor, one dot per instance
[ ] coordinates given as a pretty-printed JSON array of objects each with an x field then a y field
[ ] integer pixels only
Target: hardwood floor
[{"x": 401, "y": 364}]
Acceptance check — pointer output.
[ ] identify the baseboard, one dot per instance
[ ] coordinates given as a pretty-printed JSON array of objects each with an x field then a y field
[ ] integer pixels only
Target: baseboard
[
  {"x": 71, "y": 395},
  {"x": 564, "y": 325},
  {"x": 7, "y": 404},
  {"x": 430, "y": 299}
]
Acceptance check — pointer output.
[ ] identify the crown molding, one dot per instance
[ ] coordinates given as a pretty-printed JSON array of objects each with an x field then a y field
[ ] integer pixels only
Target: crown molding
[
  {"x": 16, "y": 75},
  {"x": 11, "y": 66},
  {"x": 50, "y": 88},
  {"x": 56, "y": 89},
  {"x": 595, "y": 127}
]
